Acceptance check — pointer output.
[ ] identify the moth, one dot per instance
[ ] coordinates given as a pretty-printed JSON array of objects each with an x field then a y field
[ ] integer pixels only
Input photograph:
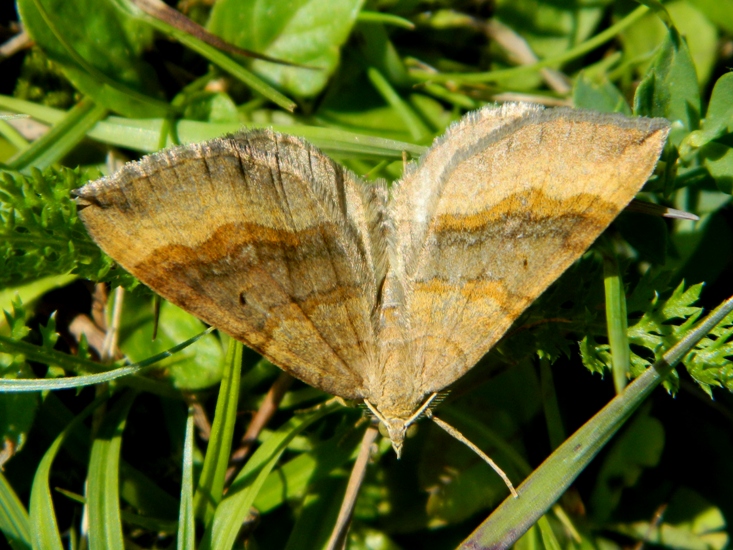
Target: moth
[{"x": 376, "y": 294}]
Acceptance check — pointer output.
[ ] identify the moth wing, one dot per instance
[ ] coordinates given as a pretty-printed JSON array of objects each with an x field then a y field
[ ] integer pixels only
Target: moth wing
[
  {"x": 260, "y": 235},
  {"x": 497, "y": 210}
]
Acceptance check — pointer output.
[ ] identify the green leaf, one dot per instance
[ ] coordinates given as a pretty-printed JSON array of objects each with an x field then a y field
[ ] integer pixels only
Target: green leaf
[
  {"x": 549, "y": 540},
  {"x": 598, "y": 94},
  {"x": 718, "y": 159},
  {"x": 417, "y": 128},
  {"x": 616, "y": 320},
  {"x": 198, "y": 366},
  {"x": 545, "y": 485},
  {"x": 669, "y": 89},
  {"x": 99, "y": 49},
  {"x": 229, "y": 513},
  {"x": 689, "y": 523},
  {"x": 144, "y": 134},
  {"x": 719, "y": 11},
  {"x": 30, "y": 292},
  {"x": 186, "y": 539},
  {"x": 701, "y": 35},
  {"x": 459, "y": 482},
  {"x": 550, "y": 28},
  {"x": 320, "y": 508},
  {"x": 209, "y": 491},
  {"x": 291, "y": 480},
  {"x": 306, "y": 32},
  {"x": 62, "y": 138},
  {"x": 14, "y": 522},
  {"x": 150, "y": 13},
  {"x": 638, "y": 447},
  {"x": 709, "y": 363},
  {"x": 42, "y": 514},
  {"x": 17, "y": 411},
  {"x": 211, "y": 107},
  {"x": 719, "y": 116},
  {"x": 103, "y": 497}
]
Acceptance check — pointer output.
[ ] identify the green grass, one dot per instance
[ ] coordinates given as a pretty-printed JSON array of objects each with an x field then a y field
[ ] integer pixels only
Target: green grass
[{"x": 144, "y": 453}]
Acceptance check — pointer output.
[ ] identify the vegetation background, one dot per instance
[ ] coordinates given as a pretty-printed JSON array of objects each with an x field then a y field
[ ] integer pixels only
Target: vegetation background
[{"x": 120, "y": 463}]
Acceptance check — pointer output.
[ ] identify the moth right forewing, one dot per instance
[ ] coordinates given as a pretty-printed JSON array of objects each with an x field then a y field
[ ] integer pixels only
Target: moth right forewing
[
  {"x": 515, "y": 206},
  {"x": 418, "y": 194}
]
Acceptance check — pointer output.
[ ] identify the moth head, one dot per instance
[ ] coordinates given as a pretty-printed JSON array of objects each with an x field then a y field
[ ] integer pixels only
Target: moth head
[{"x": 398, "y": 428}]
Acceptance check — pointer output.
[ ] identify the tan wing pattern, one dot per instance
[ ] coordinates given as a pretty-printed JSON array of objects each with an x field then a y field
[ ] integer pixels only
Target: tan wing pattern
[
  {"x": 497, "y": 209},
  {"x": 264, "y": 237},
  {"x": 260, "y": 235}
]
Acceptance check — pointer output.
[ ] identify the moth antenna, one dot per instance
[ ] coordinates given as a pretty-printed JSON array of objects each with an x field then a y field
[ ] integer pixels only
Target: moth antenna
[
  {"x": 460, "y": 437},
  {"x": 439, "y": 398}
]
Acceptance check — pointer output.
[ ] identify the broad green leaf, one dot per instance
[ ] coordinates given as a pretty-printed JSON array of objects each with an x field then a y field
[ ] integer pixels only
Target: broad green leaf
[
  {"x": 638, "y": 447},
  {"x": 598, "y": 94},
  {"x": 99, "y": 49},
  {"x": 198, "y": 366},
  {"x": 211, "y": 107},
  {"x": 718, "y": 11},
  {"x": 718, "y": 159},
  {"x": 719, "y": 116},
  {"x": 669, "y": 89},
  {"x": 306, "y": 32},
  {"x": 641, "y": 39},
  {"x": 550, "y": 28}
]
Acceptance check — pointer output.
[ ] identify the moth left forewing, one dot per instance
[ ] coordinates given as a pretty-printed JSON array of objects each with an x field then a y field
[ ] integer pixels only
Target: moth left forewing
[
  {"x": 513, "y": 208},
  {"x": 260, "y": 235}
]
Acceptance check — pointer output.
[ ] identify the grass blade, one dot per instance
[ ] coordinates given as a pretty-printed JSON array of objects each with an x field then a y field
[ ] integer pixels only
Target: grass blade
[
  {"x": 186, "y": 525},
  {"x": 541, "y": 489},
  {"x": 228, "y": 517},
  {"x": 211, "y": 483},
  {"x": 43, "y": 524},
  {"x": 14, "y": 522},
  {"x": 103, "y": 489}
]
